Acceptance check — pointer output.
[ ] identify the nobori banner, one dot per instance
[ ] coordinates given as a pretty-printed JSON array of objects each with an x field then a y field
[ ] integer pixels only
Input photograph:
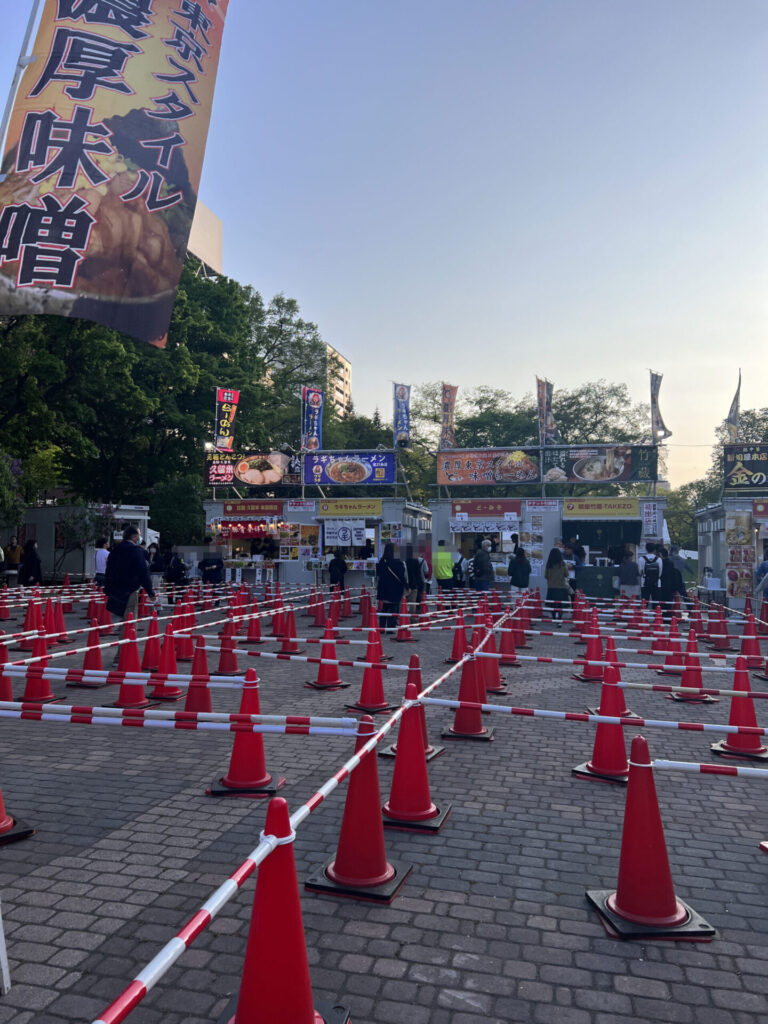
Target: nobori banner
[
  {"x": 103, "y": 160},
  {"x": 339, "y": 469}
]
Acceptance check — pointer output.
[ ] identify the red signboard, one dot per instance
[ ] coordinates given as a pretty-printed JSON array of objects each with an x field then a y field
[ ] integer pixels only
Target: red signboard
[
  {"x": 254, "y": 508},
  {"x": 494, "y": 508},
  {"x": 760, "y": 509}
]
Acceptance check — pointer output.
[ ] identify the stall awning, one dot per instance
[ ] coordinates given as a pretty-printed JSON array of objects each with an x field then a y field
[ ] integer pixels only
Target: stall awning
[{"x": 602, "y": 533}]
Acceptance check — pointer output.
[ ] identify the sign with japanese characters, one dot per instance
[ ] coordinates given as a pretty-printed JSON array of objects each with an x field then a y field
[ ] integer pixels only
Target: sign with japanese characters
[
  {"x": 252, "y": 468},
  {"x": 606, "y": 464},
  {"x": 485, "y": 466},
  {"x": 350, "y": 508},
  {"x": 344, "y": 533},
  {"x": 401, "y": 420},
  {"x": 339, "y": 469},
  {"x": 745, "y": 466},
  {"x": 254, "y": 507},
  {"x": 311, "y": 418},
  {"x": 226, "y": 407},
  {"x": 103, "y": 160},
  {"x": 601, "y": 508},
  {"x": 492, "y": 508}
]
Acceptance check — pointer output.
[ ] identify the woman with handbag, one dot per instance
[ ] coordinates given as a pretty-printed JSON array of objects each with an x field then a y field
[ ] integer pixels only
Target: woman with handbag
[{"x": 390, "y": 586}]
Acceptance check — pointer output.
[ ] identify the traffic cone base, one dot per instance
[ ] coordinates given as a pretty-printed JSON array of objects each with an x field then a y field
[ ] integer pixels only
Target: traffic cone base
[
  {"x": 430, "y": 754},
  {"x": 695, "y": 698},
  {"x": 485, "y": 736},
  {"x": 324, "y": 1013},
  {"x": 692, "y": 927},
  {"x": 268, "y": 788},
  {"x": 378, "y": 710},
  {"x": 85, "y": 684},
  {"x": 133, "y": 700},
  {"x": 379, "y": 892},
  {"x": 721, "y": 749},
  {"x": 19, "y": 830},
  {"x": 326, "y": 686},
  {"x": 433, "y": 824},
  {"x": 583, "y": 771},
  {"x": 626, "y": 713}
]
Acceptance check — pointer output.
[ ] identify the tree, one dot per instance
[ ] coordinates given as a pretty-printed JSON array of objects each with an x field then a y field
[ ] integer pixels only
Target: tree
[
  {"x": 176, "y": 510},
  {"x": 11, "y": 505}
]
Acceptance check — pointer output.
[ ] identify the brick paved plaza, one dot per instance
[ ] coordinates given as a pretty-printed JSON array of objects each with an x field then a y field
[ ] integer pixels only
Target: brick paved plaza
[{"x": 492, "y": 924}]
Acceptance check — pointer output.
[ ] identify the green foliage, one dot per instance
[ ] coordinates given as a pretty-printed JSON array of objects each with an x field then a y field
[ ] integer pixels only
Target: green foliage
[
  {"x": 11, "y": 505},
  {"x": 176, "y": 510}
]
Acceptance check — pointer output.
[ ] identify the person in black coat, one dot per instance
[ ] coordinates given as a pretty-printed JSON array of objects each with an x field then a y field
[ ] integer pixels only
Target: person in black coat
[
  {"x": 337, "y": 567},
  {"x": 127, "y": 572},
  {"x": 667, "y": 584},
  {"x": 390, "y": 586},
  {"x": 519, "y": 570},
  {"x": 30, "y": 567}
]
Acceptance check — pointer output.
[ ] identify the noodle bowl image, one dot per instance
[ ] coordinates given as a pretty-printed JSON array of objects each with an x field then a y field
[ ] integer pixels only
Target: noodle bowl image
[
  {"x": 348, "y": 471},
  {"x": 597, "y": 467}
]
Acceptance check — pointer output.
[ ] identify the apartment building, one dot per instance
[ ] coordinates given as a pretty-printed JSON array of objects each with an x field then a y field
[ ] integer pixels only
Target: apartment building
[{"x": 339, "y": 379}]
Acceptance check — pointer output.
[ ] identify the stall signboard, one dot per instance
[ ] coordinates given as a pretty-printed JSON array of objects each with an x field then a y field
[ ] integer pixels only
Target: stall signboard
[
  {"x": 601, "y": 508},
  {"x": 103, "y": 159},
  {"x": 740, "y": 566},
  {"x": 300, "y": 506},
  {"x": 600, "y": 464},
  {"x": 350, "y": 508},
  {"x": 480, "y": 525},
  {"x": 651, "y": 519},
  {"x": 249, "y": 508},
  {"x": 347, "y": 469},
  {"x": 760, "y": 509},
  {"x": 745, "y": 466},
  {"x": 344, "y": 533},
  {"x": 498, "y": 508},
  {"x": 487, "y": 466},
  {"x": 542, "y": 503},
  {"x": 226, "y": 409},
  {"x": 243, "y": 528},
  {"x": 255, "y": 469}
]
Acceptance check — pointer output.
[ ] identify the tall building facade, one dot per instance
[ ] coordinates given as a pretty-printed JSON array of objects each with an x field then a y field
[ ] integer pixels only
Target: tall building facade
[{"x": 339, "y": 379}]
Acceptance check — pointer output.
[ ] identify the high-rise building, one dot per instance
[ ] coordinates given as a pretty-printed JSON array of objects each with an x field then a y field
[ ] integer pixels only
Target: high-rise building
[
  {"x": 205, "y": 239},
  {"x": 339, "y": 379}
]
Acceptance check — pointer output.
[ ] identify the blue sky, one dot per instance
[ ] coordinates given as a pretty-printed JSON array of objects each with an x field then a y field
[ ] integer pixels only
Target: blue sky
[{"x": 484, "y": 190}]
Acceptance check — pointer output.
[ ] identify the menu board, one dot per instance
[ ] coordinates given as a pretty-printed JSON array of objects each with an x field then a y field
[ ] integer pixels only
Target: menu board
[
  {"x": 606, "y": 464},
  {"x": 256, "y": 469},
  {"x": 740, "y": 567}
]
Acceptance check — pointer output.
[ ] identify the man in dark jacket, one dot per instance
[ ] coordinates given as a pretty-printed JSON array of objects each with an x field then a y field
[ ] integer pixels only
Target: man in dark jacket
[
  {"x": 483, "y": 569},
  {"x": 127, "y": 572}
]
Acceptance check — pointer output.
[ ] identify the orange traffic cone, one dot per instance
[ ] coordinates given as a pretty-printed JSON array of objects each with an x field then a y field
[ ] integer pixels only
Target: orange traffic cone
[
  {"x": 459, "y": 648},
  {"x": 150, "y": 658},
  {"x": 198, "y": 691},
  {"x": 507, "y": 647},
  {"x": 37, "y": 688},
  {"x": 247, "y": 775},
  {"x": 130, "y": 694},
  {"x": 591, "y": 673},
  {"x": 327, "y": 675},
  {"x": 673, "y": 663},
  {"x": 11, "y": 829},
  {"x": 228, "y": 665},
  {"x": 414, "y": 678},
  {"x": 742, "y": 745},
  {"x": 468, "y": 722},
  {"x": 61, "y": 626},
  {"x": 644, "y": 905},
  {"x": 372, "y": 699},
  {"x": 254, "y": 627},
  {"x": 609, "y": 755},
  {"x": 275, "y": 985},
  {"x": 692, "y": 677},
  {"x": 6, "y": 689},
  {"x": 360, "y": 868},
  {"x": 91, "y": 663},
  {"x": 762, "y": 624},
  {"x": 289, "y": 644},
  {"x": 410, "y": 806},
  {"x": 5, "y": 612},
  {"x": 404, "y": 634},
  {"x": 612, "y": 657},
  {"x": 750, "y": 645},
  {"x": 490, "y": 666}
]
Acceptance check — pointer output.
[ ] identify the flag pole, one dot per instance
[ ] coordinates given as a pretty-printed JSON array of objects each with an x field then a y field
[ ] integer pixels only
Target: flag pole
[{"x": 25, "y": 59}]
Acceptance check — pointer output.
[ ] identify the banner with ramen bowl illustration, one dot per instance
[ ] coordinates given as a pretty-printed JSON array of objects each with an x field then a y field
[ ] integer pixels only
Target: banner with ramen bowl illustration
[
  {"x": 339, "y": 469},
  {"x": 605, "y": 464},
  {"x": 484, "y": 466}
]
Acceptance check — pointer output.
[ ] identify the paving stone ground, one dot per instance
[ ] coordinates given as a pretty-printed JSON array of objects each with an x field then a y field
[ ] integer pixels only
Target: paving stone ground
[{"x": 492, "y": 924}]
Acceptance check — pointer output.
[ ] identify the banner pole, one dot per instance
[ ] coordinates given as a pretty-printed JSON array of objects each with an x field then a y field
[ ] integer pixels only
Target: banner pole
[{"x": 25, "y": 59}]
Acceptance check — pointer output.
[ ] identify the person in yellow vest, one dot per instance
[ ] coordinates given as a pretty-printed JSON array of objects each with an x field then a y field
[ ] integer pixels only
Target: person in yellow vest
[{"x": 444, "y": 567}]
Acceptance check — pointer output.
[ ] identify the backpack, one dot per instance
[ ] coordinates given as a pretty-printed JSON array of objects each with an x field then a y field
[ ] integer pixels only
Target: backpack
[
  {"x": 458, "y": 573},
  {"x": 652, "y": 571},
  {"x": 471, "y": 569}
]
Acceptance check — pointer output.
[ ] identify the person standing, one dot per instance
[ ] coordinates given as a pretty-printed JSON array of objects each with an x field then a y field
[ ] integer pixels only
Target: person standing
[
  {"x": 651, "y": 570},
  {"x": 127, "y": 572},
  {"x": 100, "y": 561},
  {"x": 337, "y": 568},
  {"x": 13, "y": 553},
  {"x": 443, "y": 567},
  {"x": 667, "y": 582},
  {"x": 629, "y": 576},
  {"x": 519, "y": 571},
  {"x": 390, "y": 586},
  {"x": 30, "y": 567},
  {"x": 681, "y": 567},
  {"x": 556, "y": 575},
  {"x": 416, "y": 576},
  {"x": 483, "y": 568}
]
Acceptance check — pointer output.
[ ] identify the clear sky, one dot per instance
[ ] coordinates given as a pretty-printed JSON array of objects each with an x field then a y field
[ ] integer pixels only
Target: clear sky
[{"x": 480, "y": 191}]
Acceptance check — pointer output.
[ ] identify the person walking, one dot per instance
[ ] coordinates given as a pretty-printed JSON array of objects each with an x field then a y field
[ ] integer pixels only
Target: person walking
[
  {"x": 127, "y": 572},
  {"x": 483, "y": 568},
  {"x": 667, "y": 582},
  {"x": 681, "y": 567},
  {"x": 30, "y": 567},
  {"x": 416, "y": 571},
  {"x": 337, "y": 568},
  {"x": 390, "y": 586},
  {"x": 651, "y": 570},
  {"x": 556, "y": 575},
  {"x": 443, "y": 567}
]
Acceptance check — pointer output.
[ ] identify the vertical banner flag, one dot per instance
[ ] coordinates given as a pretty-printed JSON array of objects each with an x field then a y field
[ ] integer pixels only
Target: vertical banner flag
[
  {"x": 401, "y": 420},
  {"x": 732, "y": 423},
  {"x": 226, "y": 407},
  {"x": 548, "y": 432},
  {"x": 103, "y": 160},
  {"x": 658, "y": 429},
  {"x": 447, "y": 435},
  {"x": 311, "y": 419}
]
